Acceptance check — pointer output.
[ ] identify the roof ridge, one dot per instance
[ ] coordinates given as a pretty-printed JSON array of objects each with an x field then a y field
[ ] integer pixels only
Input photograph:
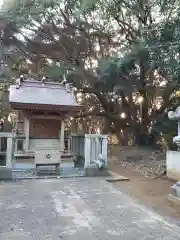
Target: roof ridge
[
  {"x": 29, "y": 80},
  {"x": 38, "y": 84},
  {"x": 43, "y": 86},
  {"x": 39, "y": 81},
  {"x": 45, "y": 82}
]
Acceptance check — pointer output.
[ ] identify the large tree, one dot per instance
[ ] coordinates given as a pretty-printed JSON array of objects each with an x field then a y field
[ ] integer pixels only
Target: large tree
[{"x": 122, "y": 54}]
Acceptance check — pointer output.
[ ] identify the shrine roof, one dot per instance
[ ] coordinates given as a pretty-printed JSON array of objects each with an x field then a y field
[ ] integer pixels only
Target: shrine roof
[{"x": 31, "y": 92}]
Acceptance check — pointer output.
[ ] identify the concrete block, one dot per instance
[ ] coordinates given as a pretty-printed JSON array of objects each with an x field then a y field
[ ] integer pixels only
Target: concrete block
[{"x": 172, "y": 163}]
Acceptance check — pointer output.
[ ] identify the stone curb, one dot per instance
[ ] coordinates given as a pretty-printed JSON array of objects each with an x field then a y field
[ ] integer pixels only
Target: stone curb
[{"x": 114, "y": 177}]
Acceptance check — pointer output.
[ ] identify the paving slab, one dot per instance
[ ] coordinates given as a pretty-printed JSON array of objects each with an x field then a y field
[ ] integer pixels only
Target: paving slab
[{"x": 73, "y": 209}]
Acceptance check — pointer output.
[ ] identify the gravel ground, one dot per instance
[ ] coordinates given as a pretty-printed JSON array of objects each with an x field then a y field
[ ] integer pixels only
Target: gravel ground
[
  {"x": 73, "y": 209},
  {"x": 150, "y": 192},
  {"x": 149, "y": 169},
  {"x": 149, "y": 163}
]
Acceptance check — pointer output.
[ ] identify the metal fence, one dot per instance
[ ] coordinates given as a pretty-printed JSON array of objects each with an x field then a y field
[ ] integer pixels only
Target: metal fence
[
  {"x": 6, "y": 149},
  {"x": 3, "y": 150}
]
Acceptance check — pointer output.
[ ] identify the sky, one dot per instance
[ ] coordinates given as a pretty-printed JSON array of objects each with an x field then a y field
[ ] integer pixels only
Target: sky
[{"x": 6, "y": 2}]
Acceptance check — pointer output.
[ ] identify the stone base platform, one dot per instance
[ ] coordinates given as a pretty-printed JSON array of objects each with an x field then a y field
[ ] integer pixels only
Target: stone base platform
[
  {"x": 65, "y": 171},
  {"x": 5, "y": 173}
]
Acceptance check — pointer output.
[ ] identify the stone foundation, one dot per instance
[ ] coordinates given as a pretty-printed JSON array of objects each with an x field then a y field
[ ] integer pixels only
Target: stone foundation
[
  {"x": 5, "y": 173},
  {"x": 93, "y": 171}
]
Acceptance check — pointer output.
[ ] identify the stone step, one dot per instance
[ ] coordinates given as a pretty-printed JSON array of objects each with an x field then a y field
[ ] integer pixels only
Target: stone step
[{"x": 71, "y": 171}]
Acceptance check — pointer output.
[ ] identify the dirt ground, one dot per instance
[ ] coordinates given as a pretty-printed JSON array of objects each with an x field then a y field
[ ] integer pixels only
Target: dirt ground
[{"x": 149, "y": 192}]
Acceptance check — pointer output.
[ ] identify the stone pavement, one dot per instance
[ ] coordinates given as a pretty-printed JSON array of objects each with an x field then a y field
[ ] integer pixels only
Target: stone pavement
[{"x": 75, "y": 209}]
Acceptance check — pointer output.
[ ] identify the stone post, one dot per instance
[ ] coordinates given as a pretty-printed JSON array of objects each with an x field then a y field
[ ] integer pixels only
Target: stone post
[
  {"x": 105, "y": 149},
  {"x": 9, "y": 152},
  {"x": 87, "y": 151},
  {"x": 178, "y": 127}
]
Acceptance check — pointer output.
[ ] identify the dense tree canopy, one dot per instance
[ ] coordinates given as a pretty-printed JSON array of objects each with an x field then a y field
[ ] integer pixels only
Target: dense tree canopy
[{"x": 122, "y": 56}]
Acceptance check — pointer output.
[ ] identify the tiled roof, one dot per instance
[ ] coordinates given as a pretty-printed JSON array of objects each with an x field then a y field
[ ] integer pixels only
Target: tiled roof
[{"x": 35, "y": 92}]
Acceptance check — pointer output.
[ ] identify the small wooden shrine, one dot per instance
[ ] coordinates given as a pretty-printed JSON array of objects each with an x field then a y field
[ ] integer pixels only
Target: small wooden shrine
[{"x": 41, "y": 109}]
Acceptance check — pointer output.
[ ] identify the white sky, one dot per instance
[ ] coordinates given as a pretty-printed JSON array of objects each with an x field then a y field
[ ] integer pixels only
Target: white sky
[{"x": 6, "y": 3}]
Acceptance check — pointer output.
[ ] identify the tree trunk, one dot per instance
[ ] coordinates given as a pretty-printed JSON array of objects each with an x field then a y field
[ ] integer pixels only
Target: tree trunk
[
  {"x": 122, "y": 135},
  {"x": 107, "y": 126}
]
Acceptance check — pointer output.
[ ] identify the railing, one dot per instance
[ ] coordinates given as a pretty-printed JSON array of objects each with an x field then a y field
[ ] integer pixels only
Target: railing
[
  {"x": 6, "y": 149},
  {"x": 90, "y": 147},
  {"x": 3, "y": 144},
  {"x": 77, "y": 144},
  {"x": 19, "y": 144},
  {"x": 3, "y": 150},
  {"x": 67, "y": 144}
]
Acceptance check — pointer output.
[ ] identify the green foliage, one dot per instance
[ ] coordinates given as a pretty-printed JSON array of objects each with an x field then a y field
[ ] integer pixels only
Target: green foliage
[
  {"x": 54, "y": 72},
  {"x": 123, "y": 72},
  {"x": 102, "y": 45},
  {"x": 163, "y": 127},
  {"x": 86, "y": 5}
]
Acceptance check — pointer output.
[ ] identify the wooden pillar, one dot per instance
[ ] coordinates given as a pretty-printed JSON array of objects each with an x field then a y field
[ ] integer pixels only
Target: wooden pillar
[
  {"x": 62, "y": 136},
  {"x": 26, "y": 128}
]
